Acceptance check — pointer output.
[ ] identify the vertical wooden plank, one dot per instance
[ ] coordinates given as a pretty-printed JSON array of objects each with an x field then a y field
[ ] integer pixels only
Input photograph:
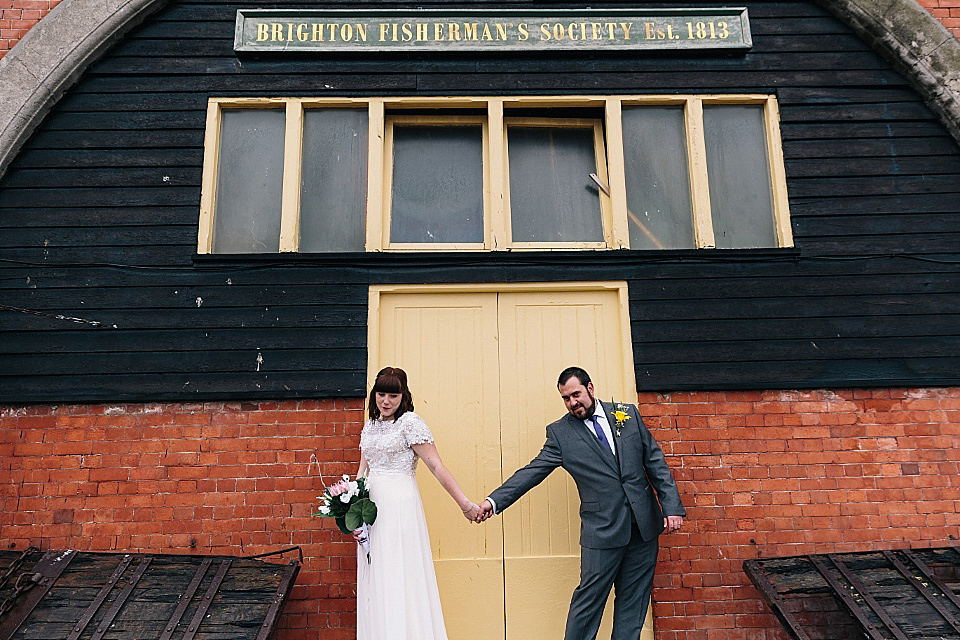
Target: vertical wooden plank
[
  {"x": 699, "y": 186},
  {"x": 778, "y": 176},
  {"x": 499, "y": 180},
  {"x": 616, "y": 174},
  {"x": 292, "y": 156},
  {"x": 375, "y": 169},
  {"x": 211, "y": 147}
]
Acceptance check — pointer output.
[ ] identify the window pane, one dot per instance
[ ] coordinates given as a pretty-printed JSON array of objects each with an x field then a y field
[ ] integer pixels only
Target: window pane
[
  {"x": 552, "y": 198},
  {"x": 437, "y": 184},
  {"x": 739, "y": 176},
  {"x": 249, "y": 181},
  {"x": 333, "y": 180},
  {"x": 660, "y": 214}
]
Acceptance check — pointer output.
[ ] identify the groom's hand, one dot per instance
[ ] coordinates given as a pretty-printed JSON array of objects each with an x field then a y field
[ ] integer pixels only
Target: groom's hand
[
  {"x": 472, "y": 512},
  {"x": 486, "y": 510},
  {"x": 672, "y": 523}
]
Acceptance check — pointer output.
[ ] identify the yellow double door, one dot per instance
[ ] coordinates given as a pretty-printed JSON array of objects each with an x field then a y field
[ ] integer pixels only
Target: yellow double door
[{"x": 483, "y": 365}]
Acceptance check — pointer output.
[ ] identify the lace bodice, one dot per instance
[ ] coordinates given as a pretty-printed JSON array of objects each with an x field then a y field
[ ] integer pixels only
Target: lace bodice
[{"x": 387, "y": 444}]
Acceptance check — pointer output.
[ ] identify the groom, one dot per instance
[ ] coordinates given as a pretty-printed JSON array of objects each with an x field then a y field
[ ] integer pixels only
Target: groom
[{"x": 617, "y": 466}]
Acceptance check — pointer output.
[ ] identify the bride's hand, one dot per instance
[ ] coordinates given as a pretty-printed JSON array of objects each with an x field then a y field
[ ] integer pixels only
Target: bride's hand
[{"x": 472, "y": 512}]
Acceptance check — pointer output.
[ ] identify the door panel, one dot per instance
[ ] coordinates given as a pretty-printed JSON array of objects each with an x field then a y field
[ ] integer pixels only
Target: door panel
[
  {"x": 483, "y": 369},
  {"x": 447, "y": 344},
  {"x": 540, "y": 335}
]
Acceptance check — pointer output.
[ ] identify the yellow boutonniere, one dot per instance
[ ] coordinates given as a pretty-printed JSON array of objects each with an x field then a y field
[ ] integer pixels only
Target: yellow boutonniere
[{"x": 620, "y": 415}]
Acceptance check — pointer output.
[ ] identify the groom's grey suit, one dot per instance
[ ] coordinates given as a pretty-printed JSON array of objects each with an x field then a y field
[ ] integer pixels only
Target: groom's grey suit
[{"x": 620, "y": 516}]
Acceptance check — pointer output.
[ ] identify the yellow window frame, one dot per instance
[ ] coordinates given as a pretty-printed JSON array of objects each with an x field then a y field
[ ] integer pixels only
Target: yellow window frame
[
  {"x": 608, "y": 144},
  {"x": 390, "y": 123},
  {"x": 606, "y": 216}
]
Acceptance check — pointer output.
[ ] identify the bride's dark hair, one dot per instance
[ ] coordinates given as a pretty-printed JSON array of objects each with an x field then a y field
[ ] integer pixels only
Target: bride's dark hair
[{"x": 390, "y": 380}]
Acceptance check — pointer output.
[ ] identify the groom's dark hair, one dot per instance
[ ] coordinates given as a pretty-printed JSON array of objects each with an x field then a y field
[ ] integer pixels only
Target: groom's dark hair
[{"x": 573, "y": 372}]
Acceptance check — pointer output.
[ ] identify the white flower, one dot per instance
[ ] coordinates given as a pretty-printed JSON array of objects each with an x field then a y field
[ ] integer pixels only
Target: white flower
[
  {"x": 345, "y": 497},
  {"x": 324, "y": 509},
  {"x": 346, "y": 477}
]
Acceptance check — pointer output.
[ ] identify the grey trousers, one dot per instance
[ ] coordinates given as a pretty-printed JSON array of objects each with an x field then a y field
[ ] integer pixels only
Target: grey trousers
[{"x": 629, "y": 570}]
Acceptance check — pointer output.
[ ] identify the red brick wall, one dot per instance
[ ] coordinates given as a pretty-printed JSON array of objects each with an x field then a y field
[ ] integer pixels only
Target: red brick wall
[
  {"x": 784, "y": 473},
  {"x": 17, "y": 16},
  {"x": 946, "y": 11},
  {"x": 762, "y": 474},
  {"x": 232, "y": 478}
]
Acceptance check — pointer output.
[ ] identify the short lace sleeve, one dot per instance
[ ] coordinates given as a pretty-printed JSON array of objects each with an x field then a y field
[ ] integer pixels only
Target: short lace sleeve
[{"x": 415, "y": 430}]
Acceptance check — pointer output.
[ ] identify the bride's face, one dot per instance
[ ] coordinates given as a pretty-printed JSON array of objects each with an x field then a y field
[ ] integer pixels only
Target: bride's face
[{"x": 387, "y": 403}]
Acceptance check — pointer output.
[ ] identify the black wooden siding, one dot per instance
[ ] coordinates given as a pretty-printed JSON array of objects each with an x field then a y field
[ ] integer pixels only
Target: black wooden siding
[{"x": 98, "y": 223}]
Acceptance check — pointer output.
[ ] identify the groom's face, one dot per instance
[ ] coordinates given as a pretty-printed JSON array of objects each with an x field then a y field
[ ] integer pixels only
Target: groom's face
[{"x": 578, "y": 398}]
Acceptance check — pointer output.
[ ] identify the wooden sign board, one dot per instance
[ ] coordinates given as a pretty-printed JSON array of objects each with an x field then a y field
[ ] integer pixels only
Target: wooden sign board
[{"x": 325, "y": 31}]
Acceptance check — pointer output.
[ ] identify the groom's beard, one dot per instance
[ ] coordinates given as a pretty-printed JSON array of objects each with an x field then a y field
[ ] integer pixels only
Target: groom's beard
[{"x": 584, "y": 412}]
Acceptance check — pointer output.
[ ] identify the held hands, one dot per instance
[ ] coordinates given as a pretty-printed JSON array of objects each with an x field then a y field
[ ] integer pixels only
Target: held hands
[
  {"x": 672, "y": 523},
  {"x": 478, "y": 513},
  {"x": 471, "y": 512},
  {"x": 486, "y": 510}
]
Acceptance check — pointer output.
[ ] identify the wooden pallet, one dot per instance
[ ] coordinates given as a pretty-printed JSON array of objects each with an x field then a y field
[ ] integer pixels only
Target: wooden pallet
[
  {"x": 71, "y": 595},
  {"x": 882, "y": 595}
]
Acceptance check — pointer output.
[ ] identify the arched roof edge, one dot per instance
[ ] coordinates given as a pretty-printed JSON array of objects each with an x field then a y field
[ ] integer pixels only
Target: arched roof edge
[
  {"x": 916, "y": 43},
  {"x": 50, "y": 58},
  {"x": 53, "y": 54}
]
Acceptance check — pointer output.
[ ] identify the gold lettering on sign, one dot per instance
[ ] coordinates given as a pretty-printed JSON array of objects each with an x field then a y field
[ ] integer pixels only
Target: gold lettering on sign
[{"x": 541, "y": 30}]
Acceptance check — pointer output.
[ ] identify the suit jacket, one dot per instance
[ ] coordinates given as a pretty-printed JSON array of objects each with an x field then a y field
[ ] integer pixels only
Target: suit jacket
[{"x": 614, "y": 491}]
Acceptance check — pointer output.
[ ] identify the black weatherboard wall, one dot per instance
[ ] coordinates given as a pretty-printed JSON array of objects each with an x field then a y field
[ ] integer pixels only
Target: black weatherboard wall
[{"x": 105, "y": 299}]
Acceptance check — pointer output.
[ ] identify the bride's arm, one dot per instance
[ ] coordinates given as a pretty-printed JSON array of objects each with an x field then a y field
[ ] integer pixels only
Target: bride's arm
[
  {"x": 364, "y": 467},
  {"x": 428, "y": 453}
]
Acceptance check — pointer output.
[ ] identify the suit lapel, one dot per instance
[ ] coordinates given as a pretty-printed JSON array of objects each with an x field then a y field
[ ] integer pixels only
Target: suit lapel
[{"x": 592, "y": 442}]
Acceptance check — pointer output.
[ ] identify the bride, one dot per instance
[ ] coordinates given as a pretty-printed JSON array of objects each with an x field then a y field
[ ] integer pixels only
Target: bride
[{"x": 397, "y": 596}]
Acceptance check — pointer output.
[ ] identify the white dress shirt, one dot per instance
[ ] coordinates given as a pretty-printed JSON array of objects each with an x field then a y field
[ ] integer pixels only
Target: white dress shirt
[{"x": 604, "y": 426}]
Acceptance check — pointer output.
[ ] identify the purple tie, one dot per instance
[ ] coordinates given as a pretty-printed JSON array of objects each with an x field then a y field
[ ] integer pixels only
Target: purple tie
[{"x": 600, "y": 435}]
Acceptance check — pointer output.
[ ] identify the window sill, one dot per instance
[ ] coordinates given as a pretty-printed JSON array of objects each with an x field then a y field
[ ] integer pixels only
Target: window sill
[{"x": 495, "y": 258}]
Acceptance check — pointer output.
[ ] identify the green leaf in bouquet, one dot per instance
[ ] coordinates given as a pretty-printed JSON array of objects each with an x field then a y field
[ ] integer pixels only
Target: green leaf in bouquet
[
  {"x": 361, "y": 512},
  {"x": 368, "y": 510},
  {"x": 342, "y": 525}
]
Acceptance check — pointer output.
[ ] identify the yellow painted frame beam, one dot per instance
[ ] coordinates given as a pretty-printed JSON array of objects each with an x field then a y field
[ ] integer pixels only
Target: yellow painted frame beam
[{"x": 497, "y": 224}]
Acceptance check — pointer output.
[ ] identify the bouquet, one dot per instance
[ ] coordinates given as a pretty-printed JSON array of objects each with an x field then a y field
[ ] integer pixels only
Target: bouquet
[{"x": 349, "y": 504}]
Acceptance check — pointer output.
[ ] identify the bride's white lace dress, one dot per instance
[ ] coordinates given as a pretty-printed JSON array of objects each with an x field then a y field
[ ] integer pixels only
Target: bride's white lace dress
[{"x": 397, "y": 597}]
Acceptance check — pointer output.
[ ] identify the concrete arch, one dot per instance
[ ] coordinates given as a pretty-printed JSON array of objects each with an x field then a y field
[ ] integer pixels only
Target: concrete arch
[{"x": 54, "y": 53}]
